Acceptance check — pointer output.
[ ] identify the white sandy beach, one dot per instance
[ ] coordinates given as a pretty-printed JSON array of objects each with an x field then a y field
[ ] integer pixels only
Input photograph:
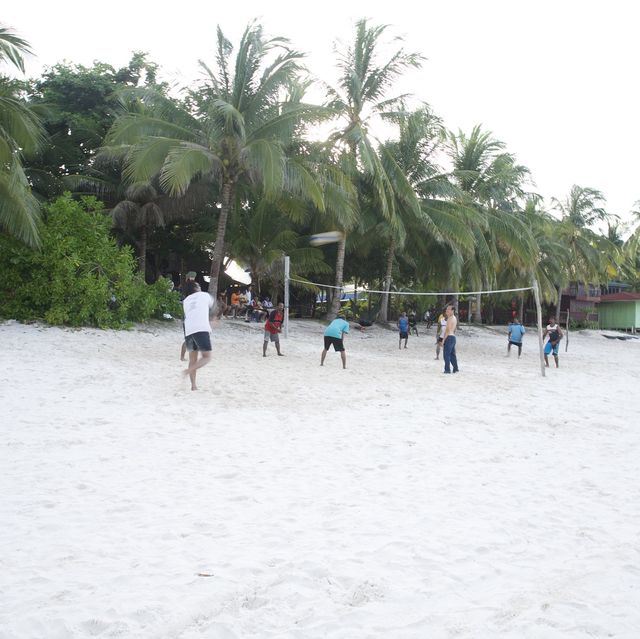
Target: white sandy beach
[{"x": 292, "y": 501}]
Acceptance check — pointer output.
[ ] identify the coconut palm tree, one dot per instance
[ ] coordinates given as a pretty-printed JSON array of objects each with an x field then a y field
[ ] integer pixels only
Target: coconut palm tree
[
  {"x": 234, "y": 131},
  {"x": 437, "y": 220},
  {"x": 361, "y": 94},
  {"x": 138, "y": 214},
  {"x": 593, "y": 258},
  {"x": 21, "y": 135},
  {"x": 582, "y": 207},
  {"x": 493, "y": 183},
  {"x": 13, "y": 47},
  {"x": 260, "y": 235}
]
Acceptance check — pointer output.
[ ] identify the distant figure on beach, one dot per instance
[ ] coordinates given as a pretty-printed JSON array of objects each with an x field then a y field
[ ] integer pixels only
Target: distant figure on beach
[
  {"x": 441, "y": 326},
  {"x": 449, "y": 341},
  {"x": 413, "y": 323},
  {"x": 197, "y": 328},
  {"x": 516, "y": 333},
  {"x": 403, "y": 328},
  {"x": 334, "y": 336},
  {"x": 554, "y": 333},
  {"x": 272, "y": 329},
  {"x": 234, "y": 304}
]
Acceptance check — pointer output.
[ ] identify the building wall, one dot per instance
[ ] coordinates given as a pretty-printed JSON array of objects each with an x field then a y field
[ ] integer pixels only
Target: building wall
[{"x": 619, "y": 315}]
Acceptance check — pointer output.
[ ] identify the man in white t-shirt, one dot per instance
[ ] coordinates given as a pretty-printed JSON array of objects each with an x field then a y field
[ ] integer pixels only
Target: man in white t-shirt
[{"x": 197, "y": 328}]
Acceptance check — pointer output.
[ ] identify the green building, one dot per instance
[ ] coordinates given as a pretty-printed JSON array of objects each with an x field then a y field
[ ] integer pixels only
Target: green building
[{"x": 620, "y": 311}]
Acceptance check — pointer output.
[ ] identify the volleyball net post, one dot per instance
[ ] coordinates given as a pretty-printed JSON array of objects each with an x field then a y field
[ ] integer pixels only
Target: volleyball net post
[
  {"x": 451, "y": 295},
  {"x": 536, "y": 295},
  {"x": 286, "y": 295}
]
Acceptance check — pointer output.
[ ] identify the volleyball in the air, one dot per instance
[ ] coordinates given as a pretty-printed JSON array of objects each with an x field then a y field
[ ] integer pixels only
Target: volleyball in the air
[{"x": 325, "y": 238}]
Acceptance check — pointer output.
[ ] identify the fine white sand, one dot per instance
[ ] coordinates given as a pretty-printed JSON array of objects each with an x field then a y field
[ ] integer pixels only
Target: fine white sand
[{"x": 292, "y": 501}]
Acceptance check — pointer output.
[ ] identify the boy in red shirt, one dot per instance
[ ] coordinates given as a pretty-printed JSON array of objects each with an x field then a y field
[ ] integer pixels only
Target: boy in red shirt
[{"x": 272, "y": 329}]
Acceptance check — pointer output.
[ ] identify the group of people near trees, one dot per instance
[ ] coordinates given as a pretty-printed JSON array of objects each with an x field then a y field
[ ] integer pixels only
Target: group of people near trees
[{"x": 199, "y": 309}]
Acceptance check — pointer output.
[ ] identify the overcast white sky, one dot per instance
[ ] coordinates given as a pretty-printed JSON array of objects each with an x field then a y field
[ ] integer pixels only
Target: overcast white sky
[{"x": 556, "y": 80}]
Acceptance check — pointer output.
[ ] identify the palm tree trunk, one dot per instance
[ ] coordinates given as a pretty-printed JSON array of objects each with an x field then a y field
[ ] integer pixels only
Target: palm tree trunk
[
  {"x": 337, "y": 293},
  {"x": 478, "y": 314},
  {"x": 384, "y": 307},
  {"x": 142, "y": 252},
  {"x": 558, "y": 306},
  {"x": 218, "y": 249}
]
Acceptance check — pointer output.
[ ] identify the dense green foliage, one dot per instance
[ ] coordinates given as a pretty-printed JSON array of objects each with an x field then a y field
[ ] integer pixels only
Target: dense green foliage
[
  {"x": 233, "y": 170},
  {"x": 80, "y": 277}
]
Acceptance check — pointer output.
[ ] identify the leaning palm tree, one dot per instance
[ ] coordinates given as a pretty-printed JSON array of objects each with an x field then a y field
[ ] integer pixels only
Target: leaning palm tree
[
  {"x": 21, "y": 135},
  {"x": 234, "y": 132},
  {"x": 360, "y": 95}
]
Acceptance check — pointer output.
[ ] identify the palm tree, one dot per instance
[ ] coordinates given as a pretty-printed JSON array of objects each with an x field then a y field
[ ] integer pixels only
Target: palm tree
[
  {"x": 420, "y": 136},
  {"x": 492, "y": 182},
  {"x": 137, "y": 214},
  {"x": 631, "y": 251},
  {"x": 234, "y": 132},
  {"x": 261, "y": 235},
  {"x": 361, "y": 94},
  {"x": 583, "y": 206},
  {"x": 21, "y": 135},
  {"x": 12, "y": 48},
  {"x": 592, "y": 257}
]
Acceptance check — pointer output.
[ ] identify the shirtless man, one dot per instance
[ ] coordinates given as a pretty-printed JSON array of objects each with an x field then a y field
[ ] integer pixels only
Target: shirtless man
[
  {"x": 554, "y": 333},
  {"x": 449, "y": 341}
]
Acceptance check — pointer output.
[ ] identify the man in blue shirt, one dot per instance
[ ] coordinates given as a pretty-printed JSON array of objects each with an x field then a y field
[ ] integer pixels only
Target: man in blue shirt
[
  {"x": 333, "y": 335},
  {"x": 516, "y": 332},
  {"x": 403, "y": 329}
]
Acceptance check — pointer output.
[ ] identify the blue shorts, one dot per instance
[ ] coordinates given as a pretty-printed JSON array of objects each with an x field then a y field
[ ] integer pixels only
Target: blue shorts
[{"x": 548, "y": 347}]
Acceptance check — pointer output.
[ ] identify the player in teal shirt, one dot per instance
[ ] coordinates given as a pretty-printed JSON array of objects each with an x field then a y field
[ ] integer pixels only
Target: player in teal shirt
[{"x": 333, "y": 335}]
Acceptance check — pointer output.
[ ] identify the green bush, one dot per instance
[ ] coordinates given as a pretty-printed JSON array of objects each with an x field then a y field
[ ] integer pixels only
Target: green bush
[{"x": 80, "y": 277}]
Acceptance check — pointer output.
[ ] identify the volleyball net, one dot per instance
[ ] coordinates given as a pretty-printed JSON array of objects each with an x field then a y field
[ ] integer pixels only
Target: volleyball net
[{"x": 366, "y": 302}]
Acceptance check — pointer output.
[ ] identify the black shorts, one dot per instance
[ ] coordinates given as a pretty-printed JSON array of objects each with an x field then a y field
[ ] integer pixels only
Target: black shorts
[
  {"x": 515, "y": 343},
  {"x": 336, "y": 341},
  {"x": 198, "y": 341},
  {"x": 404, "y": 335}
]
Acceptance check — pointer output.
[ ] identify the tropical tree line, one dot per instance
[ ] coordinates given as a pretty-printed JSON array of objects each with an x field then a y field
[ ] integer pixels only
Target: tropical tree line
[{"x": 233, "y": 167}]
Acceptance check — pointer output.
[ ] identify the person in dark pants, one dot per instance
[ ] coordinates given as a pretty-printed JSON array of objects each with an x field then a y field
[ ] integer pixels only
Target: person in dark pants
[
  {"x": 403, "y": 329},
  {"x": 449, "y": 344},
  {"x": 413, "y": 323}
]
